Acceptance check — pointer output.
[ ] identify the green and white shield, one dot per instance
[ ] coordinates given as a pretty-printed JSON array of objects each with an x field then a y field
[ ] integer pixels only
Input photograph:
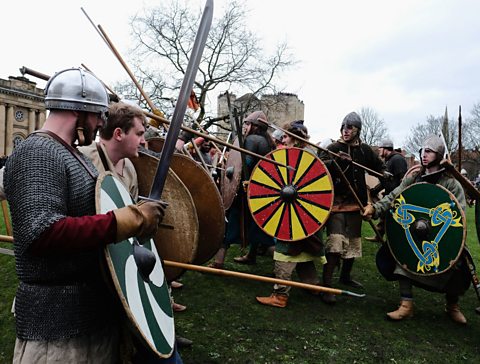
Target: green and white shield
[
  {"x": 147, "y": 305},
  {"x": 426, "y": 229}
]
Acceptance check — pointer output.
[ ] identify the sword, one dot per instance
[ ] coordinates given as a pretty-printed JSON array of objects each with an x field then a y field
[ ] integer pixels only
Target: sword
[{"x": 181, "y": 105}]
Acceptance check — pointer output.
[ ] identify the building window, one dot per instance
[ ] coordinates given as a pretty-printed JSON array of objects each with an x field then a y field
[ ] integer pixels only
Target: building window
[
  {"x": 19, "y": 115},
  {"x": 17, "y": 139}
]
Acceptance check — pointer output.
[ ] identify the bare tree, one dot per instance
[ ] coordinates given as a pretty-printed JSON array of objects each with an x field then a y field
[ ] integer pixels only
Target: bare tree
[
  {"x": 233, "y": 57},
  {"x": 433, "y": 125},
  {"x": 373, "y": 128},
  {"x": 471, "y": 129}
]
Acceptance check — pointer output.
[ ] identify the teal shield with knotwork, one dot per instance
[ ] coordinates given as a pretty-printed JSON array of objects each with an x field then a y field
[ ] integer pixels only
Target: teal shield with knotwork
[
  {"x": 426, "y": 229},
  {"x": 147, "y": 304}
]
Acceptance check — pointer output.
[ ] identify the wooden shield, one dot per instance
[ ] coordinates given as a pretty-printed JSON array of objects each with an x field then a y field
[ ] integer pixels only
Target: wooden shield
[
  {"x": 208, "y": 204},
  {"x": 231, "y": 176},
  {"x": 156, "y": 144},
  {"x": 206, "y": 197},
  {"x": 291, "y": 204},
  {"x": 180, "y": 243},
  {"x": 147, "y": 305},
  {"x": 426, "y": 229}
]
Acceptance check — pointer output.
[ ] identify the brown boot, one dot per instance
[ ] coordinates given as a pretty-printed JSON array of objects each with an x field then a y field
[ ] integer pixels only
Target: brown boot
[
  {"x": 453, "y": 310},
  {"x": 245, "y": 259},
  {"x": 275, "y": 300},
  {"x": 405, "y": 310},
  {"x": 328, "y": 268}
]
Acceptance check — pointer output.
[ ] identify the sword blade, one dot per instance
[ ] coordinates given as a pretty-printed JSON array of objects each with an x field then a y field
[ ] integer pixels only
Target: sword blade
[{"x": 181, "y": 106}]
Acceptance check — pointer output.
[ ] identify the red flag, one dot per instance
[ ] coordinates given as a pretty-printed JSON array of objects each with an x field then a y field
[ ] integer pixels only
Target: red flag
[{"x": 193, "y": 102}]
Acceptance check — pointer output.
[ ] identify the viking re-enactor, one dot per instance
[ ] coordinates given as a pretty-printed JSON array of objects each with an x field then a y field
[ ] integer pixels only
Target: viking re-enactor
[
  {"x": 64, "y": 311},
  {"x": 453, "y": 282},
  {"x": 344, "y": 227}
]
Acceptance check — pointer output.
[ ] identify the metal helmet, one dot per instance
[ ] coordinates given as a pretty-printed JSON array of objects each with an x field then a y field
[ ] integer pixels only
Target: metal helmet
[
  {"x": 277, "y": 135},
  {"x": 352, "y": 119},
  {"x": 386, "y": 143},
  {"x": 257, "y": 118},
  {"x": 76, "y": 89},
  {"x": 435, "y": 143}
]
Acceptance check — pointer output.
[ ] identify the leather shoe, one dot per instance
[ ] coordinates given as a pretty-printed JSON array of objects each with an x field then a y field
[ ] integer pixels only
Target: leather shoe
[
  {"x": 351, "y": 283},
  {"x": 183, "y": 342},
  {"x": 175, "y": 284},
  {"x": 328, "y": 298},
  {"x": 245, "y": 260},
  {"x": 216, "y": 265},
  {"x": 177, "y": 307}
]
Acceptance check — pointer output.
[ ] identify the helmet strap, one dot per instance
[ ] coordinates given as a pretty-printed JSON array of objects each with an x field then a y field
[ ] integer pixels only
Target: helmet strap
[{"x": 80, "y": 128}]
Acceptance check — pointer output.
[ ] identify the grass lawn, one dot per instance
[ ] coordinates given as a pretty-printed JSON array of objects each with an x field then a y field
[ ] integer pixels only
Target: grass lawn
[{"x": 228, "y": 326}]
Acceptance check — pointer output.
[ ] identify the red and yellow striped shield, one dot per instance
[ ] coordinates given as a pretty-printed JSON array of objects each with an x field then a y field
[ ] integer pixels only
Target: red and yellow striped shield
[{"x": 290, "y": 204}]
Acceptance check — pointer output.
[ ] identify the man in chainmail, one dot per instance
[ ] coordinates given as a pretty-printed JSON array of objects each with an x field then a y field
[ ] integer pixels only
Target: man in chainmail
[
  {"x": 64, "y": 309},
  {"x": 344, "y": 227}
]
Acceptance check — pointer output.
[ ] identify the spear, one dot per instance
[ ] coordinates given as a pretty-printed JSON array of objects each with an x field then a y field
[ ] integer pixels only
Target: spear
[
  {"x": 185, "y": 128},
  {"x": 306, "y": 141},
  {"x": 228, "y": 273},
  {"x": 460, "y": 137}
]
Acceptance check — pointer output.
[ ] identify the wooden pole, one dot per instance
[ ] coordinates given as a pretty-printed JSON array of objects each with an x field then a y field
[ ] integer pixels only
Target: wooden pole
[
  {"x": 229, "y": 273},
  {"x": 370, "y": 171},
  {"x": 460, "y": 138},
  {"x": 219, "y": 141}
]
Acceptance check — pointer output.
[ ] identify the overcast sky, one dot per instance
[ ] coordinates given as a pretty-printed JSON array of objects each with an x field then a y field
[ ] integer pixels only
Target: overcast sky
[{"x": 405, "y": 59}]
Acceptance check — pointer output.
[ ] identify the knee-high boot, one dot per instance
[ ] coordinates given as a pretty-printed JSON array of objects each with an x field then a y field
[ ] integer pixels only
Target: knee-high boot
[
  {"x": 328, "y": 269},
  {"x": 345, "y": 275}
]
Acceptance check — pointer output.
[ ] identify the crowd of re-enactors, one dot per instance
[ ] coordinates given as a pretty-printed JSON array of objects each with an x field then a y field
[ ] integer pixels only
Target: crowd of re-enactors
[{"x": 63, "y": 308}]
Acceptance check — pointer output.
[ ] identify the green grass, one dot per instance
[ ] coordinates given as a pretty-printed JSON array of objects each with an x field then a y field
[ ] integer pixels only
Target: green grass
[{"x": 228, "y": 326}]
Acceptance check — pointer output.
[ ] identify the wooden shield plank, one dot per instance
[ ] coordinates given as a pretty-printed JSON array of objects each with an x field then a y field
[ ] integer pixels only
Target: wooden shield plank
[
  {"x": 147, "y": 305},
  {"x": 208, "y": 204},
  {"x": 426, "y": 229},
  {"x": 290, "y": 204},
  {"x": 231, "y": 176},
  {"x": 180, "y": 243}
]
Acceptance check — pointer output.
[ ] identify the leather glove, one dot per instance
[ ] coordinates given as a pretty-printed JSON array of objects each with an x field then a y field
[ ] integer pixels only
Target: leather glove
[
  {"x": 140, "y": 220},
  {"x": 387, "y": 175},
  {"x": 345, "y": 156},
  {"x": 368, "y": 212}
]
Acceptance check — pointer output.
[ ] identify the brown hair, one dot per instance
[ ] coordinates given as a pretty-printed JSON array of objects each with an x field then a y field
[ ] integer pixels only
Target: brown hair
[{"x": 121, "y": 115}]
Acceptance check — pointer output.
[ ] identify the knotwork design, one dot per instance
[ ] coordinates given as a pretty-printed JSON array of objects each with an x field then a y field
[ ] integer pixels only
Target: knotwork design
[{"x": 442, "y": 214}]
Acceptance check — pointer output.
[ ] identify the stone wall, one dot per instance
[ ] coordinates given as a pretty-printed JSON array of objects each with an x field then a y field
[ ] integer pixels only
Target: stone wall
[{"x": 22, "y": 110}]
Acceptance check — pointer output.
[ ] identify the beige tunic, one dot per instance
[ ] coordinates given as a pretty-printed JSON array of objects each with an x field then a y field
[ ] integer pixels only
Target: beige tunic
[{"x": 128, "y": 176}]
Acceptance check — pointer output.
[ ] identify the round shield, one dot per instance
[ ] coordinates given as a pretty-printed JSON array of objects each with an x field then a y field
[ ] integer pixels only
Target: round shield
[
  {"x": 206, "y": 197},
  {"x": 156, "y": 144},
  {"x": 426, "y": 229},
  {"x": 208, "y": 204},
  {"x": 231, "y": 176},
  {"x": 177, "y": 237},
  {"x": 147, "y": 304},
  {"x": 290, "y": 204}
]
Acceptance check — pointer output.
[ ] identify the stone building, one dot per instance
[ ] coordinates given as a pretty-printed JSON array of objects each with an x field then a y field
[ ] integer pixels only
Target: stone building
[
  {"x": 22, "y": 110},
  {"x": 280, "y": 108}
]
